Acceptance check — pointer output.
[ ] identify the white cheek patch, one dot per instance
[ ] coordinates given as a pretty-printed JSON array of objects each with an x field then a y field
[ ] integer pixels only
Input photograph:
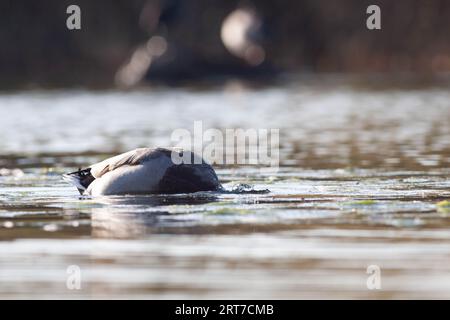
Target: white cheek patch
[{"x": 73, "y": 180}]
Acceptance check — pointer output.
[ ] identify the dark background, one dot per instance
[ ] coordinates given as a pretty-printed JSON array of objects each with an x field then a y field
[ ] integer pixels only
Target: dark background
[{"x": 302, "y": 37}]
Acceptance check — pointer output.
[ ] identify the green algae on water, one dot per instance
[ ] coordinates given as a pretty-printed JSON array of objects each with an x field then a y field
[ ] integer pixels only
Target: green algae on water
[
  {"x": 443, "y": 206},
  {"x": 367, "y": 202}
]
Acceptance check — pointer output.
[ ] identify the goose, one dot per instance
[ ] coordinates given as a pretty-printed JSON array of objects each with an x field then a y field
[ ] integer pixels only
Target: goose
[{"x": 146, "y": 171}]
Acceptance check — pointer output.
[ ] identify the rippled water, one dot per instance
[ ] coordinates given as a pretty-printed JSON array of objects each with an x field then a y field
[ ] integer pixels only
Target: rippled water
[{"x": 361, "y": 176}]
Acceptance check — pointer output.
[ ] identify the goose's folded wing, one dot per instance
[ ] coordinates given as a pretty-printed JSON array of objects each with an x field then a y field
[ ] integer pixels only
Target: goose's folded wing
[{"x": 131, "y": 158}]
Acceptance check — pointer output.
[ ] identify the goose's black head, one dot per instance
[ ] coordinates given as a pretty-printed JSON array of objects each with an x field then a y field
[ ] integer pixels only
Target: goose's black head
[{"x": 81, "y": 178}]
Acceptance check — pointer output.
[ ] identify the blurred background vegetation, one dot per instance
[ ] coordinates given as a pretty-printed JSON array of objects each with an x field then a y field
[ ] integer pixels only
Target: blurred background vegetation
[{"x": 127, "y": 43}]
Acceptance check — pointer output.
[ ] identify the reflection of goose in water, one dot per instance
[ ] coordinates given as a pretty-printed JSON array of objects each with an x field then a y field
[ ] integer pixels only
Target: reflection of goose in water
[
  {"x": 146, "y": 171},
  {"x": 140, "y": 215}
]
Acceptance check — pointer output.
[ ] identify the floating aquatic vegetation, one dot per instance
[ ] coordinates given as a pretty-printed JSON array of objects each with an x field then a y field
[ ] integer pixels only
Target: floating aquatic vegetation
[
  {"x": 230, "y": 211},
  {"x": 443, "y": 206},
  {"x": 367, "y": 202}
]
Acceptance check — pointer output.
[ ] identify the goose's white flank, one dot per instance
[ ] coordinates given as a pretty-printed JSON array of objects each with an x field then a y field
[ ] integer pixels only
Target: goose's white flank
[{"x": 145, "y": 171}]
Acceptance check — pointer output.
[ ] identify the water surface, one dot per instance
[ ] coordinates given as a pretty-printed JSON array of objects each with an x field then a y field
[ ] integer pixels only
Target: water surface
[{"x": 361, "y": 174}]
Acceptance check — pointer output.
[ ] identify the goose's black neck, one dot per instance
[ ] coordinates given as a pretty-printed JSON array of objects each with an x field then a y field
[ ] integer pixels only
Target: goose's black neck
[{"x": 84, "y": 177}]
